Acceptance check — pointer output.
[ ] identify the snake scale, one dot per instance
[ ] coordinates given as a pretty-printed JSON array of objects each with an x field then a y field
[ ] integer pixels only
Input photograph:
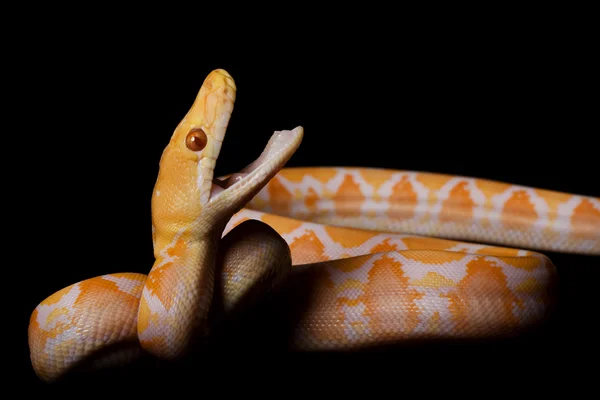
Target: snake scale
[{"x": 394, "y": 255}]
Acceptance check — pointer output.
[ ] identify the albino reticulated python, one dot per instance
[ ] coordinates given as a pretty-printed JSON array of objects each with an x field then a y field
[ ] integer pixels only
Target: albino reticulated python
[{"x": 360, "y": 233}]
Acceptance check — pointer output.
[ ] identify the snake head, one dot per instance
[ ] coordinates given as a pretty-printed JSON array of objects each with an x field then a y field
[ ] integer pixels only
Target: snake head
[{"x": 186, "y": 195}]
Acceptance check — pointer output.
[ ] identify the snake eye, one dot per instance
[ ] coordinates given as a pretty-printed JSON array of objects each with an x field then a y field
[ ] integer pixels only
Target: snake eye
[{"x": 196, "y": 139}]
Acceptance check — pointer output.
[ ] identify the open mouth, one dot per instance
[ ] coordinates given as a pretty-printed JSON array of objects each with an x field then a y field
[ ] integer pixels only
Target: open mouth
[{"x": 277, "y": 152}]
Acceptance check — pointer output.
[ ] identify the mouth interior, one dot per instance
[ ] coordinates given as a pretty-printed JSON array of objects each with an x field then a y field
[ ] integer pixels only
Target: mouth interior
[{"x": 272, "y": 156}]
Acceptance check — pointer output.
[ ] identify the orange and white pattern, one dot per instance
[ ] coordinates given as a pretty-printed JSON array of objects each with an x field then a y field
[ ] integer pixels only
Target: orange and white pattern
[
  {"x": 359, "y": 241},
  {"x": 437, "y": 205},
  {"x": 106, "y": 305},
  {"x": 374, "y": 287}
]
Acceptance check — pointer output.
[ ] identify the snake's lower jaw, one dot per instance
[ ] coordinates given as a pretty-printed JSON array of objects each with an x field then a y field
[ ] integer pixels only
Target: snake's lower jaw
[{"x": 237, "y": 189}]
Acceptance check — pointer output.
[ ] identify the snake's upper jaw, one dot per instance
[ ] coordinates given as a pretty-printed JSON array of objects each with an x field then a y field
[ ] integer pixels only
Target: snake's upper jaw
[{"x": 237, "y": 189}]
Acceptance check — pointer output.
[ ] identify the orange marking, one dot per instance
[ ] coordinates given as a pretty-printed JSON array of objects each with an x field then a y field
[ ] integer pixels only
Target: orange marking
[
  {"x": 350, "y": 264},
  {"x": 37, "y": 337},
  {"x": 296, "y": 175},
  {"x": 553, "y": 199},
  {"x": 525, "y": 263},
  {"x": 346, "y": 301},
  {"x": 498, "y": 251},
  {"x": 519, "y": 211},
  {"x": 33, "y": 324},
  {"x": 371, "y": 213},
  {"x": 402, "y": 200},
  {"x": 348, "y": 197},
  {"x": 160, "y": 283},
  {"x": 376, "y": 178},
  {"x": 59, "y": 327},
  {"x": 130, "y": 276},
  {"x": 435, "y": 322},
  {"x": 243, "y": 219},
  {"x": 359, "y": 326},
  {"x": 423, "y": 243},
  {"x": 530, "y": 285},
  {"x": 95, "y": 294},
  {"x": 349, "y": 238},
  {"x": 551, "y": 234},
  {"x": 433, "y": 182},
  {"x": 42, "y": 335},
  {"x": 388, "y": 288},
  {"x": 349, "y": 284},
  {"x": 325, "y": 175},
  {"x": 491, "y": 188},
  {"x": 384, "y": 247},
  {"x": 109, "y": 290},
  {"x": 307, "y": 249},
  {"x": 483, "y": 290},
  {"x": 434, "y": 280},
  {"x": 144, "y": 315},
  {"x": 459, "y": 205},
  {"x": 280, "y": 197},
  {"x": 178, "y": 250},
  {"x": 57, "y": 312},
  {"x": 311, "y": 199},
  {"x": 257, "y": 203},
  {"x": 586, "y": 220},
  {"x": 511, "y": 257},
  {"x": 434, "y": 257},
  {"x": 282, "y": 225}
]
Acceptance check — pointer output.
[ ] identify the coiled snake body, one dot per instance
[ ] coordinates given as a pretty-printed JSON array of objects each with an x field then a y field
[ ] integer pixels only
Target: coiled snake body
[{"x": 362, "y": 233}]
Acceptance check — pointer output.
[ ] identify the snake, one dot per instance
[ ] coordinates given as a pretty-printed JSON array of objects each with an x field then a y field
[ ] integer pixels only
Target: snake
[{"x": 379, "y": 255}]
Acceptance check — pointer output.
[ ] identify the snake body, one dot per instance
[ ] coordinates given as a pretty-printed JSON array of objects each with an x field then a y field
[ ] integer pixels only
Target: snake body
[{"x": 362, "y": 235}]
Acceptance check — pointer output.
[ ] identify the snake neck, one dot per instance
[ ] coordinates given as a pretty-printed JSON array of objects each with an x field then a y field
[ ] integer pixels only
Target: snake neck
[
  {"x": 178, "y": 293},
  {"x": 185, "y": 247}
]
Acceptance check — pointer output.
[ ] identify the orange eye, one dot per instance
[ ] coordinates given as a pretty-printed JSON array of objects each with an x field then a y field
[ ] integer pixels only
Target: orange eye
[{"x": 196, "y": 139}]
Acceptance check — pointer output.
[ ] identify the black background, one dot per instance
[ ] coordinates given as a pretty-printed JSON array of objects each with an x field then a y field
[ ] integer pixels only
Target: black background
[{"x": 97, "y": 104}]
